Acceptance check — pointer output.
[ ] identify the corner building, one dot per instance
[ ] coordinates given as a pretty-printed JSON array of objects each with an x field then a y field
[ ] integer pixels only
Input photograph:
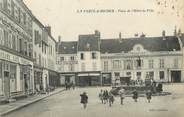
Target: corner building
[{"x": 16, "y": 61}]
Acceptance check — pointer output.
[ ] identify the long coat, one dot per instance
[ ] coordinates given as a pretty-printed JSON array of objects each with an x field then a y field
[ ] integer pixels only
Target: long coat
[
  {"x": 84, "y": 98},
  {"x": 135, "y": 95}
]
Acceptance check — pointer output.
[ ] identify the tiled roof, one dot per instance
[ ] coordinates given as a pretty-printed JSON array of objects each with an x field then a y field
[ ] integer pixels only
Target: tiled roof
[
  {"x": 170, "y": 43},
  {"x": 88, "y": 43},
  {"x": 68, "y": 47}
]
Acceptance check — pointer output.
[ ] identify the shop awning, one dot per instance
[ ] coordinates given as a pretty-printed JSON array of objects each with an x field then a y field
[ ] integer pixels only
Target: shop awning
[{"x": 89, "y": 74}]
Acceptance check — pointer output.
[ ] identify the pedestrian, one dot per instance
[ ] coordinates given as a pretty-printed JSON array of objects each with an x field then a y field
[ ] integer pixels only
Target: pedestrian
[
  {"x": 122, "y": 95},
  {"x": 66, "y": 85},
  {"x": 73, "y": 85},
  {"x": 135, "y": 95},
  {"x": 105, "y": 96},
  {"x": 101, "y": 96},
  {"x": 84, "y": 99},
  {"x": 111, "y": 99},
  {"x": 148, "y": 95}
]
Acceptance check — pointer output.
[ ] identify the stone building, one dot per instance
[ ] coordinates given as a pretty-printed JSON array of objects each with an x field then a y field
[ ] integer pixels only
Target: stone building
[
  {"x": 118, "y": 60},
  {"x": 16, "y": 61}
]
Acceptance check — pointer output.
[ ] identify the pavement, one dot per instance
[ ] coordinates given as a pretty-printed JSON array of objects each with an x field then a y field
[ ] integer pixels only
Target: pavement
[
  {"x": 14, "y": 106},
  {"x": 67, "y": 104}
]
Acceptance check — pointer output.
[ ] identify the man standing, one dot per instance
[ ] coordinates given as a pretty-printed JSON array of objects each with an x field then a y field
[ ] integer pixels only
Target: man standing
[
  {"x": 111, "y": 99},
  {"x": 84, "y": 99},
  {"x": 148, "y": 95},
  {"x": 135, "y": 95},
  {"x": 122, "y": 95}
]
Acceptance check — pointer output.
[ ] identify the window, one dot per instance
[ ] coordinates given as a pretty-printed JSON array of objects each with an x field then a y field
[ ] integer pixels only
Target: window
[
  {"x": 176, "y": 63},
  {"x": 71, "y": 67},
  {"x": 117, "y": 75},
  {"x": 1, "y": 37},
  {"x": 128, "y": 73},
  {"x": 24, "y": 18},
  {"x": 5, "y": 38},
  {"x": 62, "y": 59},
  {"x": 83, "y": 67},
  {"x": 13, "y": 8},
  {"x": 20, "y": 45},
  {"x": 161, "y": 63},
  {"x": 150, "y": 75},
  {"x": 94, "y": 56},
  {"x": 161, "y": 75},
  {"x": 138, "y": 49},
  {"x": 25, "y": 48},
  {"x": 72, "y": 58},
  {"x": 35, "y": 57},
  {"x": 82, "y": 56},
  {"x": 128, "y": 64},
  {"x": 40, "y": 59},
  {"x": 150, "y": 62},
  {"x": 105, "y": 65},
  {"x": 13, "y": 42},
  {"x": 116, "y": 64}
]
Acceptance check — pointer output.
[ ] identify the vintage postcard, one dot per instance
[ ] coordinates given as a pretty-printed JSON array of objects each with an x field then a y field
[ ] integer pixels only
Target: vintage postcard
[{"x": 91, "y": 58}]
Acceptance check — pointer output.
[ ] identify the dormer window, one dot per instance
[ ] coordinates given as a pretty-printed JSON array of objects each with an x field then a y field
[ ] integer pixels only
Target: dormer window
[
  {"x": 94, "y": 56},
  {"x": 82, "y": 56},
  {"x": 138, "y": 48}
]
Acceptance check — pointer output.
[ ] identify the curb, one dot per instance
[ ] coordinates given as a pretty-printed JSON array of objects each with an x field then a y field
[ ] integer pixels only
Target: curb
[{"x": 27, "y": 104}]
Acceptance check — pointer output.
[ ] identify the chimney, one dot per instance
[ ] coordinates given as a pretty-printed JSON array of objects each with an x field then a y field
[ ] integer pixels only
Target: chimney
[
  {"x": 175, "y": 31},
  {"x": 97, "y": 33},
  {"x": 163, "y": 34},
  {"x": 120, "y": 35},
  {"x": 48, "y": 28},
  {"x": 179, "y": 33},
  {"x": 142, "y": 35},
  {"x": 59, "y": 39}
]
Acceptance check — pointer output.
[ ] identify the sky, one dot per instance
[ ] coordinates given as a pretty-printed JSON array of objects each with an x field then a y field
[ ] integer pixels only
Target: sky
[{"x": 69, "y": 18}]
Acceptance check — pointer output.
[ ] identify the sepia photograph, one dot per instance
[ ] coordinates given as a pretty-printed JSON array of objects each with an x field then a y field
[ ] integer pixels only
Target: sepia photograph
[{"x": 91, "y": 58}]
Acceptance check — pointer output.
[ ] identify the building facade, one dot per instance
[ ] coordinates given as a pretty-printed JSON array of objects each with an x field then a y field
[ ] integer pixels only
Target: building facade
[
  {"x": 109, "y": 61},
  {"x": 16, "y": 61}
]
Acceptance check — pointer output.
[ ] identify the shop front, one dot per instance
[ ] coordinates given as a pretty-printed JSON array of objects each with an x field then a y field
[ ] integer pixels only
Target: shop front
[
  {"x": 106, "y": 79},
  {"x": 38, "y": 82},
  {"x": 68, "y": 78},
  {"x": 54, "y": 79},
  {"x": 15, "y": 75},
  {"x": 89, "y": 79}
]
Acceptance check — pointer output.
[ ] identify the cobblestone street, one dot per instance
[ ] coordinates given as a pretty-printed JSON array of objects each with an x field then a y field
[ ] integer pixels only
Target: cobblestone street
[{"x": 67, "y": 104}]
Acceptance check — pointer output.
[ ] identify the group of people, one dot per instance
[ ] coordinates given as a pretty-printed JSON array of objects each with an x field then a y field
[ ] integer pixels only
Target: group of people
[{"x": 106, "y": 97}]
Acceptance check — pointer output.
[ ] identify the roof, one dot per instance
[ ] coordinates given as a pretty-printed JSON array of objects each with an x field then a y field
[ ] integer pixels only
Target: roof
[
  {"x": 68, "y": 47},
  {"x": 170, "y": 43},
  {"x": 88, "y": 43}
]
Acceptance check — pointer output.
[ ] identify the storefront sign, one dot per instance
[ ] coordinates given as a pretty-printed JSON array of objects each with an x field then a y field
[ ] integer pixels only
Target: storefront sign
[{"x": 13, "y": 58}]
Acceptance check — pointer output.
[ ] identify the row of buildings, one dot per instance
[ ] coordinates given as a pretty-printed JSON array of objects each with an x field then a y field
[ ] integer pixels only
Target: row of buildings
[
  {"x": 27, "y": 51},
  {"x": 94, "y": 61},
  {"x": 31, "y": 60}
]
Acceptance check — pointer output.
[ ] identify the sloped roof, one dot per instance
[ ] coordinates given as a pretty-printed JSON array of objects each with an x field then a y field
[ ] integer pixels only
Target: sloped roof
[
  {"x": 170, "y": 43},
  {"x": 68, "y": 47},
  {"x": 88, "y": 43}
]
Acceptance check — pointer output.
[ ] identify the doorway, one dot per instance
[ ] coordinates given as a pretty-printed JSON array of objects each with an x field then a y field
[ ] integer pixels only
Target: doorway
[
  {"x": 176, "y": 76},
  {"x": 6, "y": 84}
]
